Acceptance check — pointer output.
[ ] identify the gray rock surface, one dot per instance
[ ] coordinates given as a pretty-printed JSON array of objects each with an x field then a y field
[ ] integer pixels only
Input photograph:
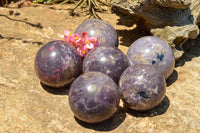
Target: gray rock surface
[
  {"x": 179, "y": 17},
  {"x": 180, "y": 4}
]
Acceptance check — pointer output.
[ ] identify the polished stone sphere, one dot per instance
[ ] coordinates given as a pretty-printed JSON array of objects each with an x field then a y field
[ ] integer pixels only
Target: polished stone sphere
[
  {"x": 105, "y": 33},
  {"x": 108, "y": 60},
  {"x": 57, "y": 64},
  {"x": 93, "y": 97},
  {"x": 155, "y": 51},
  {"x": 142, "y": 87}
]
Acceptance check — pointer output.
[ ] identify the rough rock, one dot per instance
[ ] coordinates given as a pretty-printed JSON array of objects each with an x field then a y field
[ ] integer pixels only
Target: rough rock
[
  {"x": 176, "y": 35},
  {"x": 180, "y": 17},
  {"x": 26, "y": 106},
  {"x": 180, "y": 4}
]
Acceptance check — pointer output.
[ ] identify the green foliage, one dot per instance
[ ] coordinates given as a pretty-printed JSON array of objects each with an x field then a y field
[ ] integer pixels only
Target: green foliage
[
  {"x": 49, "y": 2},
  {"x": 93, "y": 5}
]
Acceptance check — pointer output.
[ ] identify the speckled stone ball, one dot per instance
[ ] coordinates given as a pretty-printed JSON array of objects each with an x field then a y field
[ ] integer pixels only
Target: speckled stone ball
[
  {"x": 105, "y": 33},
  {"x": 94, "y": 97},
  {"x": 142, "y": 87},
  {"x": 57, "y": 64},
  {"x": 108, "y": 60},
  {"x": 155, "y": 51}
]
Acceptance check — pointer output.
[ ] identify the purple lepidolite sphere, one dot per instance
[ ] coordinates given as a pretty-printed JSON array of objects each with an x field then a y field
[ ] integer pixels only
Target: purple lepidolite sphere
[
  {"x": 142, "y": 87},
  {"x": 105, "y": 33},
  {"x": 93, "y": 97},
  {"x": 57, "y": 63},
  {"x": 155, "y": 51},
  {"x": 108, "y": 60}
]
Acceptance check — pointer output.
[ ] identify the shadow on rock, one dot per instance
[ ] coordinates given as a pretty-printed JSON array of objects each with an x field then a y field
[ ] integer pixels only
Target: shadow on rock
[
  {"x": 38, "y": 43},
  {"x": 38, "y": 25},
  {"x": 107, "y": 125},
  {"x": 129, "y": 36},
  {"x": 57, "y": 91},
  {"x": 24, "y": 41},
  {"x": 4, "y": 3},
  {"x": 192, "y": 49},
  {"x": 158, "y": 110},
  {"x": 136, "y": 32},
  {"x": 172, "y": 78}
]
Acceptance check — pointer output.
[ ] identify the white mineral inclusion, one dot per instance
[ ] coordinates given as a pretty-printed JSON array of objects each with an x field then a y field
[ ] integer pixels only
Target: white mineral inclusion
[
  {"x": 103, "y": 59},
  {"x": 92, "y": 32},
  {"x": 53, "y": 54},
  {"x": 91, "y": 88},
  {"x": 147, "y": 51}
]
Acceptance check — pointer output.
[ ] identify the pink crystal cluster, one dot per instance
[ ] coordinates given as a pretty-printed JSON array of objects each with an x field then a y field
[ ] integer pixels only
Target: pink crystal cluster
[{"x": 83, "y": 43}]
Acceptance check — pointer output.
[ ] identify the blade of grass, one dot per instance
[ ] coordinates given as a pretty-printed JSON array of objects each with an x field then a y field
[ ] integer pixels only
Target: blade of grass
[
  {"x": 104, "y": 3},
  {"x": 94, "y": 13},
  {"x": 96, "y": 5},
  {"x": 89, "y": 4},
  {"x": 80, "y": 3},
  {"x": 65, "y": 1}
]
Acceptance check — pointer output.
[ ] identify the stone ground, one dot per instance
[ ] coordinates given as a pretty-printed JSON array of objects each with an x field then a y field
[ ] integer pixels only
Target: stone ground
[{"x": 27, "y": 106}]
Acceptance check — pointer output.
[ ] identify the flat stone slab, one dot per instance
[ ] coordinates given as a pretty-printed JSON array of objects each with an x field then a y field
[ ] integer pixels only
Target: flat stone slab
[{"x": 27, "y": 106}]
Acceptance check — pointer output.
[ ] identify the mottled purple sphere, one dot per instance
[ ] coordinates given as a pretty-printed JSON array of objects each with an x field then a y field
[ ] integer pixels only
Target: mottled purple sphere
[
  {"x": 57, "y": 63},
  {"x": 94, "y": 97},
  {"x": 105, "y": 33},
  {"x": 142, "y": 87},
  {"x": 155, "y": 51},
  {"x": 108, "y": 60}
]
